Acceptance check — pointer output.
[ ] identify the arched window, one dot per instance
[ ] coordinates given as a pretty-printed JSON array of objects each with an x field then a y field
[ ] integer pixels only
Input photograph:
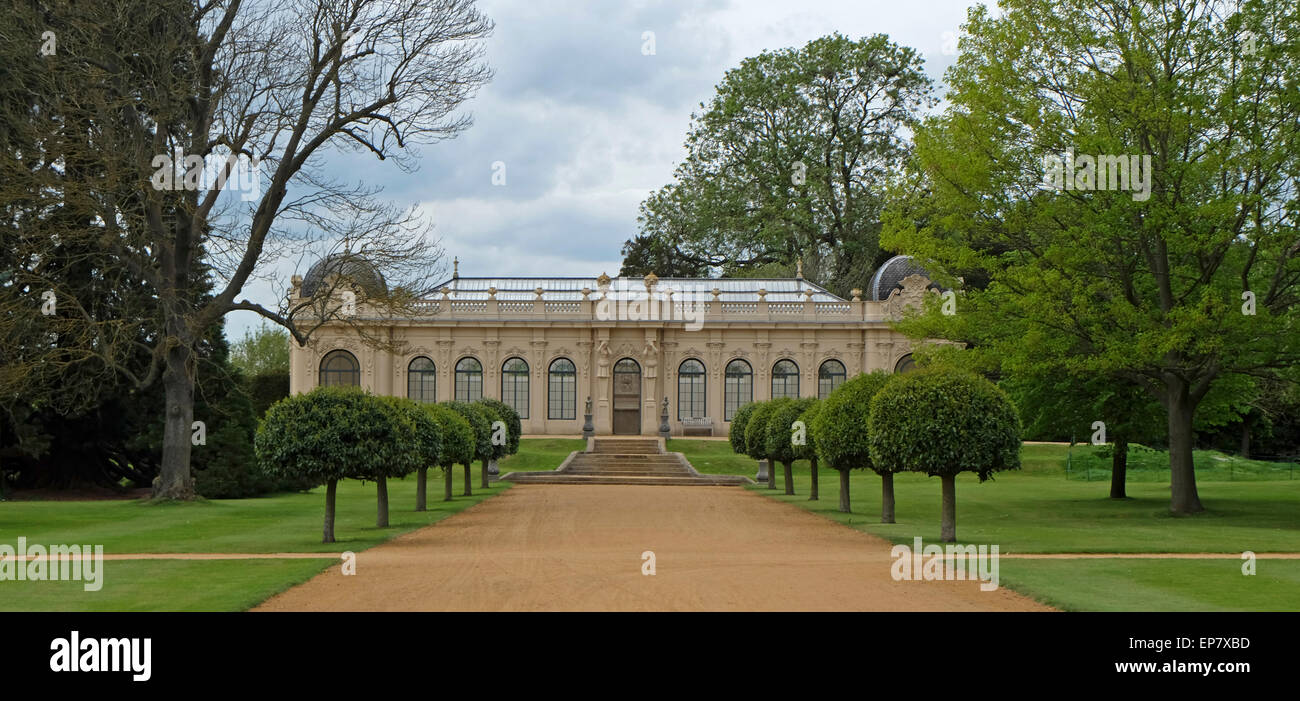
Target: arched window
[
  {"x": 562, "y": 390},
  {"x": 905, "y": 364},
  {"x": 737, "y": 388},
  {"x": 514, "y": 386},
  {"x": 785, "y": 379},
  {"x": 469, "y": 380},
  {"x": 339, "y": 368},
  {"x": 829, "y": 376},
  {"x": 421, "y": 380},
  {"x": 690, "y": 390}
]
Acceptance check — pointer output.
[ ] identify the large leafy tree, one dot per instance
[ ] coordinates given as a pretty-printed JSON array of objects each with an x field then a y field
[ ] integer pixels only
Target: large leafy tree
[
  {"x": 1181, "y": 277},
  {"x": 789, "y": 160}
]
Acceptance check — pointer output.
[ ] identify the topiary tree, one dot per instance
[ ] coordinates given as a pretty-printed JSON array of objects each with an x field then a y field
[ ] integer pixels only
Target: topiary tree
[
  {"x": 737, "y": 433},
  {"x": 782, "y": 432},
  {"x": 510, "y": 445},
  {"x": 401, "y": 455},
  {"x": 942, "y": 423},
  {"x": 458, "y": 444},
  {"x": 326, "y": 435},
  {"x": 841, "y": 430},
  {"x": 807, "y": 449},
  {"x": 756, "y": 437},
  {"x": 426, "y": 446},
  {"x": 481, "y": 421}
]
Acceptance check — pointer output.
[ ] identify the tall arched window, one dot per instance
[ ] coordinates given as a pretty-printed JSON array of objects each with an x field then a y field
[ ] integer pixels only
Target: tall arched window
[
  {"x": 690, "y": 390},
  {"x": 469, "y": 380},
  {"x": 905, "y": 364},
  {"x": 339, "y": 368},
  {"x": 562, "y": 390},
  {"x": 829, "y": 376},
  {"x": 421, "y": 380},
  {"x": 785, "y": 379},
  {"x": 737, "y": 387},
  {"x": 514, "y": 385}
]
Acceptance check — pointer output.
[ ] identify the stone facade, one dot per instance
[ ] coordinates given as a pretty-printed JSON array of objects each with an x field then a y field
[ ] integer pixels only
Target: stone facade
[{"x": 544, "y": 322}]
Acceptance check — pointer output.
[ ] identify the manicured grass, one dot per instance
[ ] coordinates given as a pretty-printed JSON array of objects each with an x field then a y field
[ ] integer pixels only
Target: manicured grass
[
  {"x": 166, "y": 585},
  {"x": 275, "y": 523},
  {"x": 541, "y": 454},
  {"x": 1038, "y": 510},
  {"x": 1156, "y": 585}
]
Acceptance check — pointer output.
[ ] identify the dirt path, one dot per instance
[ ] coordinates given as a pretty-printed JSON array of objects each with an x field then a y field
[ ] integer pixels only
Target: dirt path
[{"x": 578, "y": 548}]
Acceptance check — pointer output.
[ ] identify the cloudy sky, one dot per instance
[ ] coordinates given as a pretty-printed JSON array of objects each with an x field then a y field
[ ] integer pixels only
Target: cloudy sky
[{"x": 587, "y": 124}]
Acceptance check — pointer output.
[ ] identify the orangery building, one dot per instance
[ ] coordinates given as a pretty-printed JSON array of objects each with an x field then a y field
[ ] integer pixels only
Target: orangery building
[{"x": 622, "y": 348}]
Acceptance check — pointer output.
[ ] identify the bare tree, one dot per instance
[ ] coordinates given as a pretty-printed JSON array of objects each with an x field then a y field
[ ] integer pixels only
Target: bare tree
[{"x": 267, "y": 89}]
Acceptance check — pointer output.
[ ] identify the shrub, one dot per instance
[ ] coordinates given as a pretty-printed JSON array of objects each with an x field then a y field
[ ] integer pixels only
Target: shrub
[
  {"x": 780, "y": 434},
  {"x": 480, "y": 419},
  {"x": 326, "y": 435},
  {"x": 808, "y": 449},
  {"x": 942, "y": 423},
  {"x": 737, "y": 433},
  {"x": 458, "y": 441},
  {"x": 756, "y": 437},
  {"x": 841, "y": 430}
]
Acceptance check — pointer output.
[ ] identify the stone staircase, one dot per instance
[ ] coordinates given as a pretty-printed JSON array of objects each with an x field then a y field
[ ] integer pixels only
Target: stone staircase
[{"x": 625, "y": 461}]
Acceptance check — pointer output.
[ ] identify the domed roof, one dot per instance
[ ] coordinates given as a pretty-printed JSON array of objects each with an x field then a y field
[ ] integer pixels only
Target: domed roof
[
  {"x": 890, "y": 276},
  {"x": 351, "y": 266}
]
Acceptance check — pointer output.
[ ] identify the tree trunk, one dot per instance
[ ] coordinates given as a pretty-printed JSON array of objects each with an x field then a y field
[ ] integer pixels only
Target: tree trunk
[
  {"x": 484, "y": 482},
  {"x": 812, "y": 464},
  {"x": 421, "y": 482},
  {"x": 381, "y": 519},
  {"x": 1119, "y": 468},
  {"x": 446, "y": 480},
  {"x": 331, "y": 489},
  {"x": 886, "y": 497},
  {"x": 771, "y": 474},
  {"x": 844, "y": 492},
  {"x": 174, "y": 478},
  {"x": 948, "y": 531},
  {"x": 469, "y": 468},
  {"x": 1246, "y": 421},
  {"x": 1183, "y": 498},
  {"x": 789, "y": 476}
]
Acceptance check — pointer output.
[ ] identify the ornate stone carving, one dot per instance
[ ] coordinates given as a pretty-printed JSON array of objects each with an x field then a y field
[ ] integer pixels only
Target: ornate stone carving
[{"x": 911, "y": 296}]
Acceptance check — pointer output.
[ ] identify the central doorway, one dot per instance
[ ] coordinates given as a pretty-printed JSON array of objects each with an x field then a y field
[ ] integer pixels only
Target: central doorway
[{"x": 627, "y": 397}]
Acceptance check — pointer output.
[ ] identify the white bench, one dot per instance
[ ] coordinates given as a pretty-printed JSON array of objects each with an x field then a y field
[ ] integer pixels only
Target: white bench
[{"x": 700, "y": 425}]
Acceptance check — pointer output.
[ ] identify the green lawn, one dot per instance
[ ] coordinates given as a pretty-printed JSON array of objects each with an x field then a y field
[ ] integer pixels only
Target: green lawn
[
  {"x": 276, "y": 523},
  {"x": 1037, "y": 509},
  {"x": 541, "y": 454},
  {"x": 166, "y": 585},
  {"x": 1156, "y": 585}
]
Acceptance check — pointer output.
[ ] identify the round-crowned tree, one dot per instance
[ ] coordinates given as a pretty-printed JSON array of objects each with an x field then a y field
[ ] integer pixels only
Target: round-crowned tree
[
  {"x": 783, "y": 432},
  {"x": 841, "y": 431},
  {"x": 426, "y": 446},
  {"x": 807, "y": 448},
  {"x": 756, "y": 437},
  {"x": 942, "y": 423},
  {"x": 323, "y": 436},
  {"x": 402, "y": 454},
  {"x": 505, "y": 433},
  {"x": 458, "y": 442},
  {"x": 737, "y": 432},
  {"x": 480, "y": 419}
]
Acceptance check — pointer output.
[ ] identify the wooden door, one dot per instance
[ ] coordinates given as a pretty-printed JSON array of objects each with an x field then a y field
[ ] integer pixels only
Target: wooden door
[{"x": 627, "y": 397}]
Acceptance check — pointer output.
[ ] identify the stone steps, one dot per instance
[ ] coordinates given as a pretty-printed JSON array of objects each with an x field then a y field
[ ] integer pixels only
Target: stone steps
[{"x": 626, "y": 461}]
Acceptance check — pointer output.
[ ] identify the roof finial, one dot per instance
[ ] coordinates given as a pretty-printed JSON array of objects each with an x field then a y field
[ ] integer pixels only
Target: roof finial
[
  {"x": 455, "y": 268},
  {"x": 799, "y": 268}
]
